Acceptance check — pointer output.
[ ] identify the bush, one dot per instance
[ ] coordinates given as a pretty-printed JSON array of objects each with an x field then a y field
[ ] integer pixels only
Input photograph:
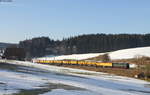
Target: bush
[
  {"x": 141, "y": 75},
  {"x": 147, "y": 70},
  {"x": 105, "y": 58}
]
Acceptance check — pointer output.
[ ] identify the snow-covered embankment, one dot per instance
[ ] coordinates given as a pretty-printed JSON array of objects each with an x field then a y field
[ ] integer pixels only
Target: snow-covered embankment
[{"x": 119, "y": 54}]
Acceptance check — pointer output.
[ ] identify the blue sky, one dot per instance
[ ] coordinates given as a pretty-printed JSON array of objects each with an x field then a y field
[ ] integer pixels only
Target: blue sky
[{"x": 24, "y": 19}]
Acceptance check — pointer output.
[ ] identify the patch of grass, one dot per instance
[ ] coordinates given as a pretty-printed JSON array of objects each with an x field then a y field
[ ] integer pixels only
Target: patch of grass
[
  {"x": 46, "y": 88},
  {"x": 32, "y": 92},
  {"x": 83, "y": 73},
  {"x": 147, "y": 71},
  {"x": 98, "y": 58},
  {"x": 116, "y": 71}
]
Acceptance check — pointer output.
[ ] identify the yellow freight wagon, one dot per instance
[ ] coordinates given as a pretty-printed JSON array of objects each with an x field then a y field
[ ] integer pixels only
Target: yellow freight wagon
[
  {"x": 73, "y": 62},
  {"x": 41, "y": 61},
  {"x": 55, "y": 61},
  {"x": 58, "y": 61},
  {"x": 81, "y": 62},
  {"x": 46, "y": 61},
  {"x": 104, "y": 64},
  {"x": 86, "y": 63},
  {"x": 69, "y": 62},
  {"x": 51, "y": 61},
  {"x": 89, "y": 63},
  {"x": 93, "y": 63},
  {"x": 65, "y": 62}
]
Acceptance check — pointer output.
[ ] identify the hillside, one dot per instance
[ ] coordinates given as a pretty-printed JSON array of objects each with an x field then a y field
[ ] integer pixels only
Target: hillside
[{"x": 130, "y": 53}]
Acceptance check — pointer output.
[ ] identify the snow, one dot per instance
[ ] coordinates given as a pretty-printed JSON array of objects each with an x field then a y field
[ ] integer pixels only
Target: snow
[
  {"x": 130, "y": 53},
  {"x": 71, "y": 71},
  {"x": 119, "y": 54},
  {"x": 64, "y": 92},
  {"x": 48, "y": 67},
  {"x": 13, "y": 81},
  {"x": 95, "y": 83},
  {"x": 72, "y": 57}
]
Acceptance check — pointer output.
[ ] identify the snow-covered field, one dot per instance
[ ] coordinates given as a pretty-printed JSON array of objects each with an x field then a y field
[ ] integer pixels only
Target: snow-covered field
[
  {"x": 73, "y": 56},
  {"x": 25, "y": 77},
  {"x": 77, "y": 82},
  {"x": 130, "y": 53},
  {"x": 120, "y": 54}
]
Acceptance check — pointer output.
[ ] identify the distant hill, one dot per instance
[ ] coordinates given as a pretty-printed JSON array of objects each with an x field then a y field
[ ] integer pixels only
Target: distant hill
[
  {"x": 92, "y": 43},
  {"x": 4, "y": 45}
]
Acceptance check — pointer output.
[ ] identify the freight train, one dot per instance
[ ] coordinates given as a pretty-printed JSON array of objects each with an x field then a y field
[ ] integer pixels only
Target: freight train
[{"x": 84, "y": 63}]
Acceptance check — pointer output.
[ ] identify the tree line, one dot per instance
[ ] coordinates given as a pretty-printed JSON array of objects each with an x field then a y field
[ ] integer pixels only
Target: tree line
[{"x": 91, "y": 43}]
